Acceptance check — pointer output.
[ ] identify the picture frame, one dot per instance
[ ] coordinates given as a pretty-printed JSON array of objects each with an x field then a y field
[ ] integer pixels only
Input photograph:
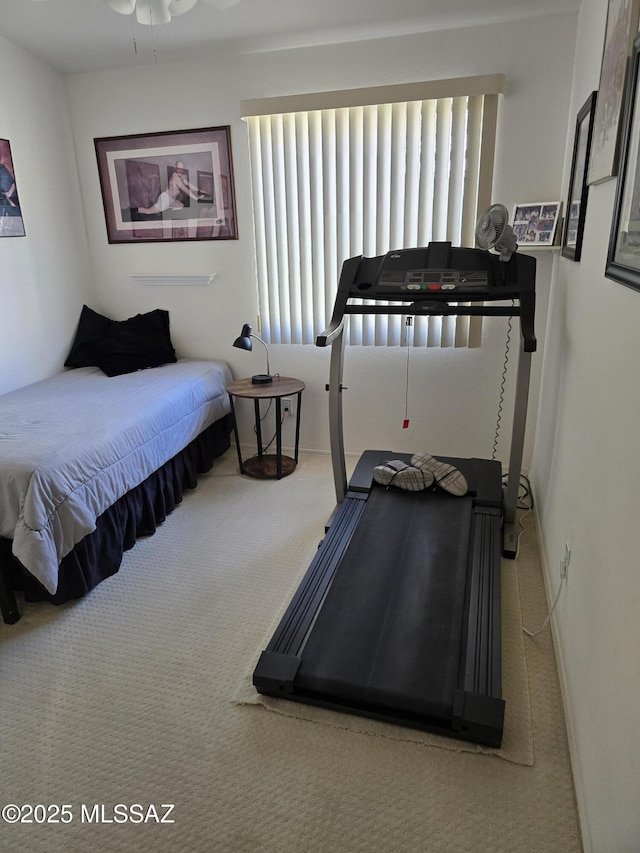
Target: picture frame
[
  {"x": 623, "y": 256},
  {"x": 576, "y": 207},
  {"x": 11, "y": 221},
  {"x": 535, "y": 223},
  {"x": 621, "y": 29},
  {"x": 148, "y": 189}
]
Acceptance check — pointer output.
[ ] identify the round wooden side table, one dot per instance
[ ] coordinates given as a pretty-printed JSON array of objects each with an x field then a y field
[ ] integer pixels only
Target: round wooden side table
[{"x": 267, "y": 466}]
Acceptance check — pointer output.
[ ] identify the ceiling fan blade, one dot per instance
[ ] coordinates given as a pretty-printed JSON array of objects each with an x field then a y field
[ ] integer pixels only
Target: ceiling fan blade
[
  {"x": 221, "y": 4},
  {"x": 152, "y": 12},
  {"x": 123, "y": 7},
  {"x": 179, "y": 7}
]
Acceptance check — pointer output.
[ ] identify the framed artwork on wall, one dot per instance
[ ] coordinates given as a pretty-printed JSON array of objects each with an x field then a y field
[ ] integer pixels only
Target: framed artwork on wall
[
  {"x": 578, "y": 188},
  {"x": 621, "y": 28},
  {"x": 536, "y": 223},
  {"x": 174, "y": 185},
  {"x": 11, "y": 223},
  {"x": 623, "y": 257}
]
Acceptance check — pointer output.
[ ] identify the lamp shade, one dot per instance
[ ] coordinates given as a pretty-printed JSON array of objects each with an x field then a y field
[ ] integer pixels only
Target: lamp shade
[{"x": 243, "y": 341}]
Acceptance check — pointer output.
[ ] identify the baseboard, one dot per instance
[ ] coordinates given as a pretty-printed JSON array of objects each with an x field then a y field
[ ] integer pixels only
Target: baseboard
[
  {"x": 564, "y": 691},
  {"x": 248, "y": 450}
]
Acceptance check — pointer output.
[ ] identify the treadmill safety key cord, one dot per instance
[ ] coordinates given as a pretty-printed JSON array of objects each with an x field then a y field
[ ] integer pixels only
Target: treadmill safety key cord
[{"x": 408, "y": 341}]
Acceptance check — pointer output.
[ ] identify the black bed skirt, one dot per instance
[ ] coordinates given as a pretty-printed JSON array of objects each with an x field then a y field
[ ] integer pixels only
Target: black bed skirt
[{"x": 138, "y": 513}]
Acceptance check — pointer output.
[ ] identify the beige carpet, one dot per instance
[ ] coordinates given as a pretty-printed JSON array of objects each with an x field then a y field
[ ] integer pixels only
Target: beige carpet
[{"x": 126, "y": 697}]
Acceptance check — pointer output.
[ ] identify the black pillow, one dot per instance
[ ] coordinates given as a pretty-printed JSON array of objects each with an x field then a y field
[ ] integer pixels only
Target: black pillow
[
  {"x": 90, "y": 325},
  {"x": 124, "y": 346},
  {"x": 134, "y": 344}
]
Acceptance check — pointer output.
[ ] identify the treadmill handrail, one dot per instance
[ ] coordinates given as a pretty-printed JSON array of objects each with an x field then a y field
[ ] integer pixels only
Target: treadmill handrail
[
  {"x": 336, "y": 327},
  {"x": 428, "y": 309}
]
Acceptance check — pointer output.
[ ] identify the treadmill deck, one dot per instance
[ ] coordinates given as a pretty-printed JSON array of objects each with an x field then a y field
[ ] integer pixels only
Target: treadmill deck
[{"x": 398, "y": 616}]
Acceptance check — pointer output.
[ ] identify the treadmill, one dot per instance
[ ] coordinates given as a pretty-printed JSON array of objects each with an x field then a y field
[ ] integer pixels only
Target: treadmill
[{"x": 398, "y": 616}]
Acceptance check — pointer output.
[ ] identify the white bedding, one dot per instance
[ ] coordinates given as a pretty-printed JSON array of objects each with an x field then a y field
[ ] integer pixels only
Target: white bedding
[{"x": 71, "y": 445}]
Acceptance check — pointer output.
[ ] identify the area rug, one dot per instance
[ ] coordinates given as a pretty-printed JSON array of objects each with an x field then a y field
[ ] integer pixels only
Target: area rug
[{"x": 517, "y": 741}]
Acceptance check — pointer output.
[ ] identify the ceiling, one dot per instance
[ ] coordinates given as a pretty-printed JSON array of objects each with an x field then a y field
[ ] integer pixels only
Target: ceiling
[{"x": 83, "y": 35}]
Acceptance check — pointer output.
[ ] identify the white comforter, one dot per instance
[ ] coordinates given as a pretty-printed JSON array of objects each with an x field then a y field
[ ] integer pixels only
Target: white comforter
[{"x": 70, "y": 446}]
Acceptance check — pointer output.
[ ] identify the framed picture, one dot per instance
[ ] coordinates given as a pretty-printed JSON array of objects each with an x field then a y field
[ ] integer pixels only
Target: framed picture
[
  {"x": 11, "y": 224},
  {"x": 621, "y": 28},
  {"x": 174, "y": 185},
  {"x": 623, "y": 257},
  {"x": 535, "y": 223},
  {"x": 578, "y": 187}
]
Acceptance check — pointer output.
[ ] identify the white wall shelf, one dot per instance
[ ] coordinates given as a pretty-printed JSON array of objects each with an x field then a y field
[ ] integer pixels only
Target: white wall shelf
[{"x": 174, "y": 279}]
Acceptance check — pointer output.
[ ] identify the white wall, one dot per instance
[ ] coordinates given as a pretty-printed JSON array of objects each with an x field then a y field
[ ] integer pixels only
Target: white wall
[
  {"x": 44, "y": 276},
  {"x": 585, "y": 472},
  {"x": 585, "y": 456},
  {"x": 454, "y": 394}
]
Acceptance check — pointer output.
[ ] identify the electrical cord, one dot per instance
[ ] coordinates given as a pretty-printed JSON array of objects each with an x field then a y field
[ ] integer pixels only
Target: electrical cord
[
  {"x": 550, "y": 613},
  {"x": 503, "y": 382},
  {"x": 264, "y": 449},
  {"x": 255, "y": 428},
  {"x": 267, "y": 410},
  {"x": 525, "y": 495},
  {"x": 525, "y": 502},
  {"x": 523, "y": 529}
]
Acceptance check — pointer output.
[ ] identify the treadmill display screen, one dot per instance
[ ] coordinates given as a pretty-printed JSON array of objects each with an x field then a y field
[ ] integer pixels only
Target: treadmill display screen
[{"x": 432, "y": 281}]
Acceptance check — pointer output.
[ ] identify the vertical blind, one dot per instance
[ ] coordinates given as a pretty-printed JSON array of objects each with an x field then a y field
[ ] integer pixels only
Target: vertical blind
[{"x": 335, "y": 182}]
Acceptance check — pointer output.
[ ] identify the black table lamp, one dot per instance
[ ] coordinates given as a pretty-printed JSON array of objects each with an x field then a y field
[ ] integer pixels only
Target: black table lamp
[{"x": 244, "y": 342}]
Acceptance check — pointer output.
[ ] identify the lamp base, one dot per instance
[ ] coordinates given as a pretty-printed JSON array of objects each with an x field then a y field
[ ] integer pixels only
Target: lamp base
[{"x": 261, "y": 379}]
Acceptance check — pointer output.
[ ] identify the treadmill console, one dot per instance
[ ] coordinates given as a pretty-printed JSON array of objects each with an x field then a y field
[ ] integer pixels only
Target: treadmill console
[
  {"x": 437, "y": 272},
  {"x": 453, "y": 282},
  {"x": 437, "y": 279}
]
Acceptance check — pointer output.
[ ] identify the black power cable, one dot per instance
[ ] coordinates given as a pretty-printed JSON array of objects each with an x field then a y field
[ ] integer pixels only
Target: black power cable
[{"x": 502, "y": 386}]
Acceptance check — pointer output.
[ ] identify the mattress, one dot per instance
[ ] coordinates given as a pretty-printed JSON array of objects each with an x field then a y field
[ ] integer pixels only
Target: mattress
[{"x": 71, "y": 445}]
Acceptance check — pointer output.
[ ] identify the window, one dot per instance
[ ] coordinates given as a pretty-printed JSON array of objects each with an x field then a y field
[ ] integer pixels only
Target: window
[{"x": 340, "y": 174}]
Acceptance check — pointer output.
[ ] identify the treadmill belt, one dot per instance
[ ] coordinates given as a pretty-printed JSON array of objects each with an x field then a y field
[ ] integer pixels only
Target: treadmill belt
[{"x": 393, "y": 640}]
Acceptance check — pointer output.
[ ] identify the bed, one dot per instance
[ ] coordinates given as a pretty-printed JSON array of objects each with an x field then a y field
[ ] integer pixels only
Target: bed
[{"x": 90, "y": 461}]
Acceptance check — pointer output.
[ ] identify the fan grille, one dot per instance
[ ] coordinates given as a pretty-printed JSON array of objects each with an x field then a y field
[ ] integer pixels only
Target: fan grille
[{"x": 493, "y": 231}]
